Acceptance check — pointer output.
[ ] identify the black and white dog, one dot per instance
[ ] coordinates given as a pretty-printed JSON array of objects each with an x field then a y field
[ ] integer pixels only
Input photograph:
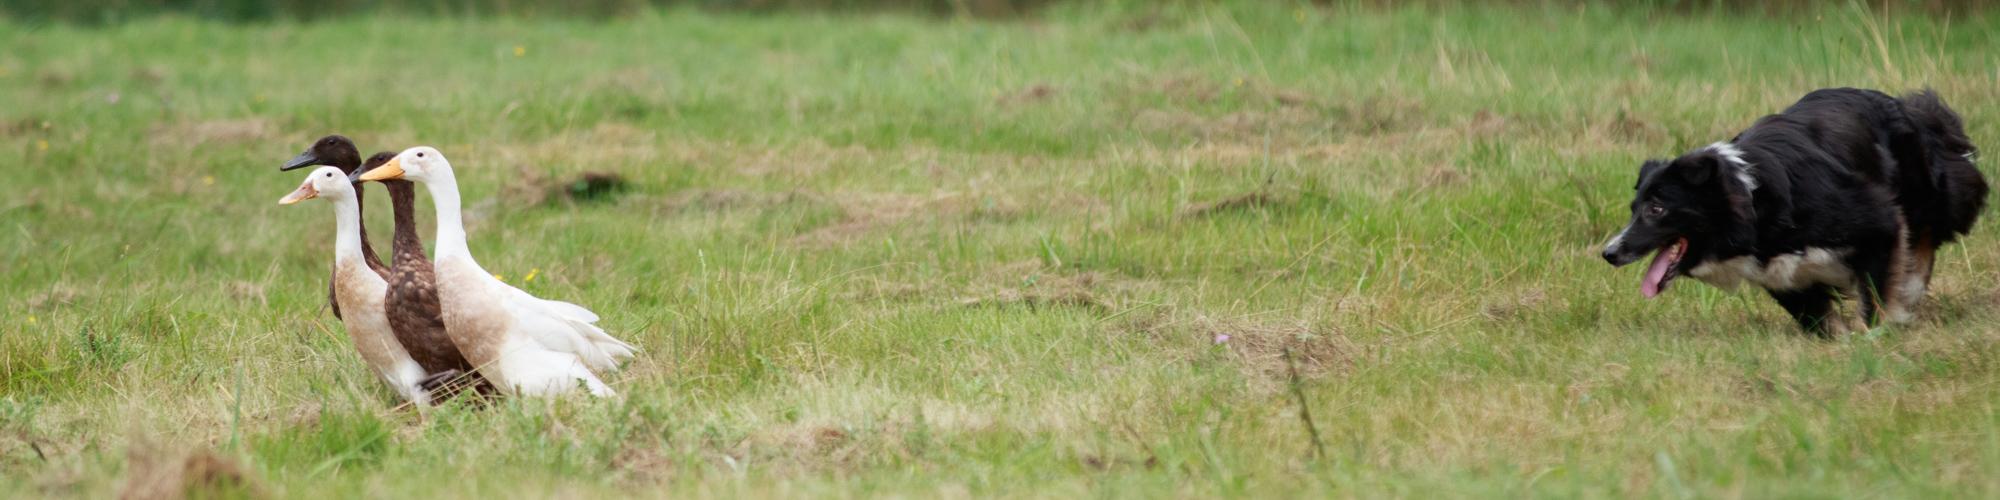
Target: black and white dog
[{"x": 1848, "y": 192}]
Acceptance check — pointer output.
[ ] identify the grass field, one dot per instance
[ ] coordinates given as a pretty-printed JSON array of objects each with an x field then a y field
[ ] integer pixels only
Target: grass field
[{"x": 904, "y": 256}]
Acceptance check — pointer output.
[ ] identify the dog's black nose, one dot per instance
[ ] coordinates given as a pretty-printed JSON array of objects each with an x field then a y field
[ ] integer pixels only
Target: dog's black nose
[{"x": 1611, "y": 255}]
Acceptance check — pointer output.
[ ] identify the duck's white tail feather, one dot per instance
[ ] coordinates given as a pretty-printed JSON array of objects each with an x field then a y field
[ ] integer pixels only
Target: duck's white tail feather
[
  {"x": 566, "y": 327},
  {"x": 529, "y": 370},
  {"x": 609, "y": 350}
]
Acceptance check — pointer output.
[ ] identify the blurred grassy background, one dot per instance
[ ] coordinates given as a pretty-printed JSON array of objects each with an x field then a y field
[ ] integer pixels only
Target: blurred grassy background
[
  {"x": 111, "y": 11},
  {"x": 940, "y": 256}
]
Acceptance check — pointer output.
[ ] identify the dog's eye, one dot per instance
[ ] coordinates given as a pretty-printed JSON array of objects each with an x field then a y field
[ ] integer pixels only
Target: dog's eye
[{"x": 1655, "y": 210}]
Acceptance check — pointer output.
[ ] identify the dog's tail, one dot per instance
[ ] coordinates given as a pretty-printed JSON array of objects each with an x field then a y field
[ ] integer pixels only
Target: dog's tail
[{"x": 1956, "y": 189}]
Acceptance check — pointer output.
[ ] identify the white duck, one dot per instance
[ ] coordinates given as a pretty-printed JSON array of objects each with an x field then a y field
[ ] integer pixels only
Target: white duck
[
  {"x": 358, "y": 290},
  {"x": 522, "y": 344}
]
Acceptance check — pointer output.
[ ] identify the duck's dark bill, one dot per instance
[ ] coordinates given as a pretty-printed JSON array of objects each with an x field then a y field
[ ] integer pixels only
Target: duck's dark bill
[{"x": 305, "y": 159}]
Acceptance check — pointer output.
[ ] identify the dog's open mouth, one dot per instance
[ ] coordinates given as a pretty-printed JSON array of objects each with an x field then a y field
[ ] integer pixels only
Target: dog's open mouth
[{"x": 1663, "y": 269}]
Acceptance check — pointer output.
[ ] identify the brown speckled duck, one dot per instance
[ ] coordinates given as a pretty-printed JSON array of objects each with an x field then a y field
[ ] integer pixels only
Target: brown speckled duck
[{"x": 410, "y": 301}]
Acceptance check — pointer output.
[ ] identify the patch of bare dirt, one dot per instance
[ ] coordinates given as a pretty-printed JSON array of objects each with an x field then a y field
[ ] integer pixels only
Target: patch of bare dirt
[
  {"x": 1441, "y": 175},
  {"x": 531, "y": 187},
  {"x": 1262, "y": 344},
  {"x": 1517, "y": 305},
  {"x": 861, "y": 214},
  {"x": 149, "y": 74},
  {"x": 606, "y": 147},
  {"x": 1033, "y": 285},
  {"x": 23, "y": 126},
  {"x": 1104, "y": 463},
  {"x": 1485, "y": 123},
  {"x": 1378, "y": 115},
  {"x": 1031, "y": 94},
  {"x": 1189, "y": 89},
  {"x": 1626, "y": 127},
  {"x": 248, "y": 292},
  {"x": 1246, "y": 201},
  {"x": 57, "y": 296},
  {"x": 824, "y": 445},
  {"x": 155, "y": 475},
  {"x": 54, "y": 78},
  {"x": 643, "y": 464}
]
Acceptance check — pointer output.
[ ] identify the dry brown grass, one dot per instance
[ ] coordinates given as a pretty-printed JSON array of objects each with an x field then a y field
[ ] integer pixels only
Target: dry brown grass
[
  {"x": 1246, "y": 201},
  {"x": 1034, "y": 285}
]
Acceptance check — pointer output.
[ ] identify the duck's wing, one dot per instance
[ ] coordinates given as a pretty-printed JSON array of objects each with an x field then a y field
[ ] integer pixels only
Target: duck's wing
[
  {"x": 575, "y": 313},
  {"x": 564, "y": 327},
  {"x": 565, "y": 309}
]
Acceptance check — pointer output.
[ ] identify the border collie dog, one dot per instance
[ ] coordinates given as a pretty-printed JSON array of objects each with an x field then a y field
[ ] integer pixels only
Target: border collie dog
[{"x": 1847, "y": 193}]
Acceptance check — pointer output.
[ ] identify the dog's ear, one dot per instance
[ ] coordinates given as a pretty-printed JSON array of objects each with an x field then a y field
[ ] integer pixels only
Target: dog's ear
[
  {"x": 1697, "y": 169},
  {"x": 1646, "y": 170}
]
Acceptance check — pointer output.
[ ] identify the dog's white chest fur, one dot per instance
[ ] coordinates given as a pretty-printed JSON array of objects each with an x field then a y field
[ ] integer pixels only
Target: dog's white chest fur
[{"x": 1792, "y": 271}]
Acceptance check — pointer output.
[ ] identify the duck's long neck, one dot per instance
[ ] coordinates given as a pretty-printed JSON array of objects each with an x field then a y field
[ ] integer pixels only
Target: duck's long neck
[
  {"x": 347, "y": 232},
  {"x": 367, "y": 252},
  {"x": 450, "y": 224},
  {"x": 408, "y": 246}
]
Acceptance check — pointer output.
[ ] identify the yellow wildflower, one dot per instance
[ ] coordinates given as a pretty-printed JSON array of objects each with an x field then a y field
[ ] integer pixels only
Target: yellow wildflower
[
  {"x": 503, "y": 279},
  {"x": 520, "y": 51},
  {"x": 531, "y": 274},
  {"x": 42, "y": 145},
  {"x": 208, "y": 180}
]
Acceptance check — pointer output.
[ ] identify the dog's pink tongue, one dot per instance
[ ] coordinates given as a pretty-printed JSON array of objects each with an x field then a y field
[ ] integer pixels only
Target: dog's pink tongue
[{"x": 1656, "y": 273}]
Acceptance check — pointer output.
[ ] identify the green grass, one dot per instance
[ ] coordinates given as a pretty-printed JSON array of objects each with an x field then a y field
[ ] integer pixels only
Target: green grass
[{"x": 901, "y": 256}]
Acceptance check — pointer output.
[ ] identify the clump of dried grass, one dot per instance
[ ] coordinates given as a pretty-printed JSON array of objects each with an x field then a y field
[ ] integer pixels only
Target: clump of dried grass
[{"x": 1035, "y": 286}]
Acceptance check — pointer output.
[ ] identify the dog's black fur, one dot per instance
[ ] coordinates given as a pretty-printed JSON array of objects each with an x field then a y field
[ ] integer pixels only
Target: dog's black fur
[{"x": 1875, "y": 183}]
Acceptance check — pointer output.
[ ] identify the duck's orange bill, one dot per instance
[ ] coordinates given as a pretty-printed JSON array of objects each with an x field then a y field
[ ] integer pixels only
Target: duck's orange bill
[
  {"x": 391, "y": 170},
  {"x": 304, "y": 192}
]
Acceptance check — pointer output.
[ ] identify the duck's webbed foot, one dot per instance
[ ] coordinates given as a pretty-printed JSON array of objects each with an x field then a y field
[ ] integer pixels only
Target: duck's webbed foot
[{"x": 443, "y": 384}]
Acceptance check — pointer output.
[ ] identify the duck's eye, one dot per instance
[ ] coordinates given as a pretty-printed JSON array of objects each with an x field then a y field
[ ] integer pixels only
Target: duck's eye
[
  {"x": 420, "y": 155},
  {"x": 329, "y": 174}
]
